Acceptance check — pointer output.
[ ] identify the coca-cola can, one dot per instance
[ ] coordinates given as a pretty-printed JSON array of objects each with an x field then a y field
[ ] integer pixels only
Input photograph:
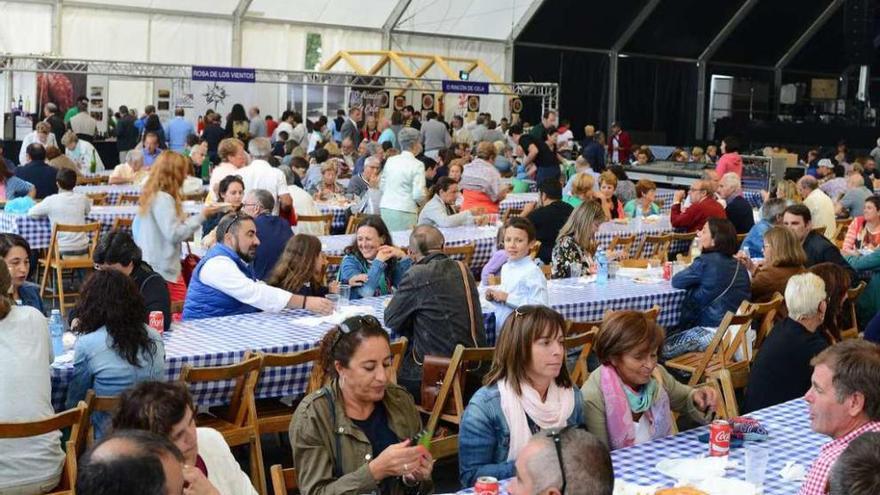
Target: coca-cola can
[
  {"x": 486, "y": 485},
  {"x": 667, "y": 270},
  {"x": 157, "y": 321},
  {"x": 719, "y": 438}
]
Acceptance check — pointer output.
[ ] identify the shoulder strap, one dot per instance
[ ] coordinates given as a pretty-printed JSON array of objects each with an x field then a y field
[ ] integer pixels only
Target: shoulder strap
[
  {"x": 337, "y": 466},
  {"x": 470, "y": 302}
]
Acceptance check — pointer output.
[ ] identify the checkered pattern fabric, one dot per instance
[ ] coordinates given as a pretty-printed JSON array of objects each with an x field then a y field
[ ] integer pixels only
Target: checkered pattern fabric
[
  {"x": 791, "y": 439},
  {"x": 113, "y": 192},
  {"x": 338, "y": 213},
  {"x": 637, "y": 227},
  {"x": 753, "y": 197},
  {"x": 517, "y": 200},
  {"x": 38, "y": 230}
]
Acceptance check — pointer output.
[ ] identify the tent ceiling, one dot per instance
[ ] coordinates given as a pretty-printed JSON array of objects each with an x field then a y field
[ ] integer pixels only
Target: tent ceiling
[
  {"x": 370, "y": 14},
  {"x": 222, "y": 7},
  {"x": 493, "y": 19}
]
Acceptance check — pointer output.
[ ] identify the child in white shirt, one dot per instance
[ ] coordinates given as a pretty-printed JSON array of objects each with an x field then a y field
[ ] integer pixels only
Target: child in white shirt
[
  {"x": 522, "y": 282},
  {"x": 66, "y": 208}
]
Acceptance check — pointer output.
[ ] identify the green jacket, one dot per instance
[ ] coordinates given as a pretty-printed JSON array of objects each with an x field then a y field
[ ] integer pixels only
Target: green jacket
[
  {"x": 313, "y": 439},
  {"x": 680, "y": 401},
  {"x": 869, "y": 302}
]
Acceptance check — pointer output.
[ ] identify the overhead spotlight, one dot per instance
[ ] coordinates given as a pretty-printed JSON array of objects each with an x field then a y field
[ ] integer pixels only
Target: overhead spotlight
[{"x": 463, "y": 75}]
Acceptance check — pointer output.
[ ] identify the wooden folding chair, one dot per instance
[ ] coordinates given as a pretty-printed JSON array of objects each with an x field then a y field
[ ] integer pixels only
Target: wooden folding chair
[
  {"x": 533, "y": 253},
  {"x": 353, "y": 221},
  {"x": 75, "y": 419},
  {"x": 510, "y": 212},
  {"x": 398, "y": 349},
  {"x": 94, "y": 404},
  {"x": 237, "y": 422},
  {"x": 465, "y": 252},
  {"x": 326, "y": 220},
  {"x": 639, "y": 262},
  {"x": 198, "y": 197},
  {"x": 720, "y": 352},
  {"x": 547, "y": 270},
  {"x": 584, "y": 340},
  {"x": 98, "y": 199},
  {"x": 273, "y": 416},
  {"x": 128, "y": 199},
  {"x": 54, "y": 261},
  {"x": 819, "y": 230},
  {"x": 122, "y": 223},
  {"x": 852, "y": 296},
  {"x": 721, "y": 381},
  {"x": 659, "y": 246},
  {"x": 767, "y": 312},
  {"x": 622, "y": 243},
  {"x": 740, "y": 238},
  {"x": 842, "y": 227},
  {"x": 451, "y": 389},
  {"x": 283, "y": 480},
  {"x": 82, "y": 180}
]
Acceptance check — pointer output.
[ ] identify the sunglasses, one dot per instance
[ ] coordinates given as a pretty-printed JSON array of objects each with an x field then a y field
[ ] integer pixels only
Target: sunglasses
[
  {"x": 239, "y": 215},
  {"x": 556, "y": 436},
  {"x": 353, "y": 325}
]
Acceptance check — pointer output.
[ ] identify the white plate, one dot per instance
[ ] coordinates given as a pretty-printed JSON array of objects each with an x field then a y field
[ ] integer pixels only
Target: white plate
[
  {"x": 726, "y": 486},
  {"x": 693, "y": 469}
]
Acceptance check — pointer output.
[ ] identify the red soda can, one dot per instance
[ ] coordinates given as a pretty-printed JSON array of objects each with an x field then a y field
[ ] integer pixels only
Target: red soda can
[
  {"x": 157, "y": 321},
  {"x": 719, "y": 438},
  {"x": 667, "y": 270},
  {"x": 486, "y": 485}
]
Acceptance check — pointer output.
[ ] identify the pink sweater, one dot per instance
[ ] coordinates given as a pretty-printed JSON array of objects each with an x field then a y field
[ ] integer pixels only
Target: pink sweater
[{"x": 729, "y": 162}]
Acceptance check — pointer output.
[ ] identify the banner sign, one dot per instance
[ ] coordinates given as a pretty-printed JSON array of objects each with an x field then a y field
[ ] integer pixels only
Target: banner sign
[
  {"x": 223, "y": 74},
  {"x": 465, "y": 87}
]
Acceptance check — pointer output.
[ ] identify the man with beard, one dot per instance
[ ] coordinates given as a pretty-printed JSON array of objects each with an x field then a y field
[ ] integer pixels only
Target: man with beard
[{"x": 224, "y": 284}]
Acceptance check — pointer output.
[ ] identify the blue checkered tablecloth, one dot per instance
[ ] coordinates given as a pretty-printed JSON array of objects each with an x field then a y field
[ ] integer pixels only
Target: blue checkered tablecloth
[
  {"x": 38, "y": 230},
  {"x": 338, "y": 213},
  {"x": 113, "y": 192},
  {"x": 634, "y": 226},
  {"x": 517, "y": 200},
  {"x": 791, "y": 439},
  {"x": 753, "y": 197}
]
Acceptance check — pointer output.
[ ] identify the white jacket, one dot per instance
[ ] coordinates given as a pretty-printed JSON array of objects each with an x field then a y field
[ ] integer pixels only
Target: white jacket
[{"x": 223, "y": 470}]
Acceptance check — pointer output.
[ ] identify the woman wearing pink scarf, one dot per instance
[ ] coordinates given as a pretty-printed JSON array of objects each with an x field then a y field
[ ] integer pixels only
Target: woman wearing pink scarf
[
  {"x": 630, "y": 399},
  {"x": 527, "y": 390}
]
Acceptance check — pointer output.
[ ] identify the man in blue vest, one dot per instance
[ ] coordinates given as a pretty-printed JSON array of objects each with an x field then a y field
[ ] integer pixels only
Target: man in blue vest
[{"x": 223, "y": 284}]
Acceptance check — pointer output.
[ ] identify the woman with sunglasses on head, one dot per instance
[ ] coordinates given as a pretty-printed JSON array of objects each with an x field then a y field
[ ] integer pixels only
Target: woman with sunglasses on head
[
  {"x": 630, "y": 398},
  {"x": 527, "y": 389},
  {"x": 354, "y": 435}
]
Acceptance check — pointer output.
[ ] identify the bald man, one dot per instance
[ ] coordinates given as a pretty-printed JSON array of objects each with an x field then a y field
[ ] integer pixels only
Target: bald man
[{"x": 436, "y": 306}]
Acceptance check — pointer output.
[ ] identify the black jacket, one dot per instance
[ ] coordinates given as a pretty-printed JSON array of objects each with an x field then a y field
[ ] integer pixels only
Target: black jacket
[
  {"x": 820, "y": 250},
  {"x": 58, "y": 127},
  {"x": 782, "y": 370},
  {"x": 430, "y": 309},
  {"x": 739, "y": 212},
  {"x": 41, "y": 175},
  {"x": 154, "y": 290},
  {"x": 548, "y": 221},
  {"x": 126, "y": 133}
]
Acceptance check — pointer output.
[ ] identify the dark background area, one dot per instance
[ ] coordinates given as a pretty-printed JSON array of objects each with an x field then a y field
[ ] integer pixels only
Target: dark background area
[{"x": 658, "y": 76}]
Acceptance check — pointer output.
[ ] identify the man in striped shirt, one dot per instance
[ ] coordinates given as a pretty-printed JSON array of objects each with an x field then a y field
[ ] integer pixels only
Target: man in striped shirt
[{"x": 844, "y": 403}]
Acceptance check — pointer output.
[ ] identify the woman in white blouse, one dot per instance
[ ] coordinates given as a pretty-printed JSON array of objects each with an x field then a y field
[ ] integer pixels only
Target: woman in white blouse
[
  {"x": 81, "y": 152},
  {"x": 440, "y": 210}
]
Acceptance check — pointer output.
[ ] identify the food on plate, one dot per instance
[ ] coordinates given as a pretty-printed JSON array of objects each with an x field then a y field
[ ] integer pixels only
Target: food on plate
[{"x": 681, "y": 490}]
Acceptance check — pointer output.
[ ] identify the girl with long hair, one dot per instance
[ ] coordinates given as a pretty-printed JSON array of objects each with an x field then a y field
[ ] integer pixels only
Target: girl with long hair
[
  {"x": 300, "y": 269},
  {"x": 575, "y": 244}
]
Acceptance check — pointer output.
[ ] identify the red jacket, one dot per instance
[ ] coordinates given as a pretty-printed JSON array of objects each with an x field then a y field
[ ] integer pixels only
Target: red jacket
[
  {"x": 623, "y": 148},
  {"x": 695, "y": 217}
]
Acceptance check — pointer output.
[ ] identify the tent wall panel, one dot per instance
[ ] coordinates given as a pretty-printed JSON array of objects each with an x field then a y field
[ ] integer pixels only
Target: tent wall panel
[
  {"x": 187, "y": 40},
  {"x": 25, "y": 28},
  {"x": 104, "y": 35}
]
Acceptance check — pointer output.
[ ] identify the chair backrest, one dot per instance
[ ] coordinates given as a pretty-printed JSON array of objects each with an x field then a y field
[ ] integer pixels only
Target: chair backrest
[
  {"x": 326, "y": 220},
  {"x": 852, "y": 295},
  {"x": 98, "y": 199},
  {"x": 622, "y": 243},
  {"x": 659, "y": 245},
  {"x": 819, "y": 230},
  {"x": 94, "y": 404},
  {"x": 283, "y": 480},
  {"x": 197, "y": 197},
  {"x": 244, "y": 373},
  {"x": 639, "y": 262},
  {"x": 722, "y": 345},
  {"x": 584, "y": 340},
  {"x": 721, "y": 381},
  {"x": 398, "y": 348},
  {"x": 535, "y": 248},
  {"x": 451, "y": 388},
  {"x": 766, "y": 312},
  {"x": 740, "y": 238},
  {"x": 353, "y": 221},
  {"x": 122, "y": 223},
  {"x": 53, "y": 254},
  {"x": 128, "y": 199},
  {"x": 651, "y": 313},
  {"x": 510, "y": 212},
  {"x": 465, "y": 252},
  {"x": 842, "y": 227},
  {"x": 82, "y": 180}
]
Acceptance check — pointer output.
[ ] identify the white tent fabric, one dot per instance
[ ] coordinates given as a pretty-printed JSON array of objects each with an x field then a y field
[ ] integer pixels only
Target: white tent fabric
[
  {"x": 493, "y": 19},
  {"x": 370, "y": 14},
  {"x": 25, "y": 28}
]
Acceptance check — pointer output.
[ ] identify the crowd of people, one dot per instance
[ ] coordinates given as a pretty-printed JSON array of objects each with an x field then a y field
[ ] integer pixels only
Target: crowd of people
[{"x": 528, "y": 421}]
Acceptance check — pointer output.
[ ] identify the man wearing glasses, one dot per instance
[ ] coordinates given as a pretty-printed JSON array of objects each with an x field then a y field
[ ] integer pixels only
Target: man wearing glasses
[
  {"x": 703, "y": 207},
  {"x": 571, "y": 461},
  {"x": 223, "y": 283}
]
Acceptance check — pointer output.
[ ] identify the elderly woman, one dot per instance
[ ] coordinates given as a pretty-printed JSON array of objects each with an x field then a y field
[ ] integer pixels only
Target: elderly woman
[
  {"x": 715, "y": 283},
  {"x": 353, "y": 435},
  {"x": 328, "y": 188},
  {"x": 581, "y": 189},
  {"x": 612, "y": 207},
  {"x": 630, "y": 399},
  {"x": 784, "y": 257},
  {"x": 372, "y": 265},
  {"x": 528, "y": 389},
  {"x": 167, "y": 409},
  {"x": 575, "y": 244},
  {"x": 57, "y": 159},
  {"x": 42, "y": 134},
  {"x": 439, "y": 211},
  {"x": 81, "y": 152},
  {"x": 481, "y": 182},
  {"x": 643, "y": 205},
  {"x": 781, "y": 371},
  {"x": 132, "y": 171}
]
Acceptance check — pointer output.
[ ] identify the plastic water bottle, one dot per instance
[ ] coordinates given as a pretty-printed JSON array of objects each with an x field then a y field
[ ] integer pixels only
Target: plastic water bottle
[
  {"x": 602, "y": 274},
  {"x": 745, "y": 250},
  {"x": 56, "y": 332}
]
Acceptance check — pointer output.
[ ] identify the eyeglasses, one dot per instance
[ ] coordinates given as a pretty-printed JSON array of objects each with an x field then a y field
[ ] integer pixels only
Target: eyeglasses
[
  {"x": 556, "y": 436},
  {"x": 239, "y": 216}
]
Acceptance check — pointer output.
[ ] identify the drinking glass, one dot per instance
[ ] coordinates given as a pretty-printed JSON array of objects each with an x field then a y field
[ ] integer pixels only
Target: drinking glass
[
  {"x": 613, "y": 268},
  {"x": 344, "y": 295},
  {"x": 333, "y": 298},
  {"x": 575, "y": 269},
  {"x": 756, "y": 466}
]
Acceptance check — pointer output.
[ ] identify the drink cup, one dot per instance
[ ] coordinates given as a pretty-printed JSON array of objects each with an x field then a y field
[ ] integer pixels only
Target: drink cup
[
  {"x": 333, "y": 298},
  {"x": 344, "y": 295},
  {"x": 756, "y": 466}
]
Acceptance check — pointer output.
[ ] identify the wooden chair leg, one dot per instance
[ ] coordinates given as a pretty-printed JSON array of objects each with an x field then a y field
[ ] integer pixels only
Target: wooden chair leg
[
  {"x": 258, "y": 476},
  {"x": 60, "y": 290},
  {"x": 44, "y": 280}
]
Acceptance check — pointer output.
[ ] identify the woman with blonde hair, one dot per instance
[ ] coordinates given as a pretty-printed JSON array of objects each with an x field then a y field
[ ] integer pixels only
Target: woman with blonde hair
[
  {"x": 161, "y": 225},
  {"x": 581, "y": 189},
  {"x": 612, "y": 207},
  {"x": 300, "y": 269},
  {"x": 787, "y": 190},
  {"x": 575, "y": 244},
  {"x": 784, "y": 257}
]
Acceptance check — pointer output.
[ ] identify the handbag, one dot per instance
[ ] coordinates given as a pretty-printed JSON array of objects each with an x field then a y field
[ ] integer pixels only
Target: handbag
[
  {"x": 188, "y": 264},
  {"x": 434, "y": 367}
]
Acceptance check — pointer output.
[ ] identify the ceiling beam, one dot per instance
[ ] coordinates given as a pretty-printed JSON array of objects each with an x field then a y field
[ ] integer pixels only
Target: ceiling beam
[
  {"x": 450, "y": 36},
  {"x": 726, "y": 31},
  {"x": 634, "y": 25},
  {"x": 144, "y": 10},
  {"x": 524, "y": 20},
  {"x": 314, "y": 25},
  {"x": 240, "y": 11},
  {"x": 808, "y": 34},
  {"x": 56, "y": 27},
  {"x": 392, "y": 21}
]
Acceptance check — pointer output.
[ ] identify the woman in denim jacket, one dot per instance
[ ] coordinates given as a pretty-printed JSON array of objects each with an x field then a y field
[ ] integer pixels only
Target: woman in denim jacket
[
  {"x": 527, "y": 390},
  {"x": 115, "y": 349},
  {"x": 372, "y": 265}
]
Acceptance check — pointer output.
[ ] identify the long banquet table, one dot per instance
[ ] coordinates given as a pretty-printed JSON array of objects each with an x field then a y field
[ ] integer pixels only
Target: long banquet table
[
  {"x": 223, "y": 341},
  {"x": 791, "y": 439}
]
